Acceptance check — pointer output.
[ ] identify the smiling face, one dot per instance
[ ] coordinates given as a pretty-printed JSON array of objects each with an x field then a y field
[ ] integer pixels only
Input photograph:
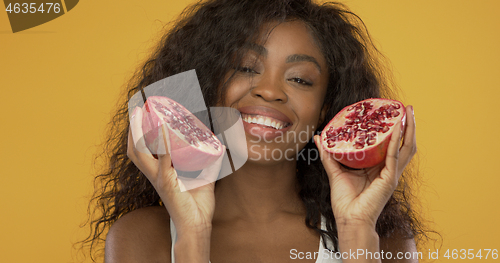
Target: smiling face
[{"x": 279, "y": 88}]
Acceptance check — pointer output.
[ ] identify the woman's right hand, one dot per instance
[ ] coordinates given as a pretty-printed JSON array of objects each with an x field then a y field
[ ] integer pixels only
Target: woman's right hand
[{"x": 191, "y": 211}]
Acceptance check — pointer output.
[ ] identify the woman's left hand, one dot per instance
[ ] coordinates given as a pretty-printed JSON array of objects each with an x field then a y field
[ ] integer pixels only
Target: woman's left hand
[{"x": 358, "y": 196}]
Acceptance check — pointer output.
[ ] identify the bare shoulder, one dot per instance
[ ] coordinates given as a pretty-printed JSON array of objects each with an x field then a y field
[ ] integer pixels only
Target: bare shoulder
[
  {"x": 401, "y": 248},
  {"x": 142, "y": 235}
]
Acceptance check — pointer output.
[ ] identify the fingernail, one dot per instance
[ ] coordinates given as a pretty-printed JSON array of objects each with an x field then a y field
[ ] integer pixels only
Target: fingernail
[{"x": 412, "y": 111}]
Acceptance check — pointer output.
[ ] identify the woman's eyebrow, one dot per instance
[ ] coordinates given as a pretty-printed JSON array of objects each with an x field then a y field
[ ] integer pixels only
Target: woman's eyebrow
[
  {"x": 260, "y": 50},
  {"x": 302, "y": 57}
]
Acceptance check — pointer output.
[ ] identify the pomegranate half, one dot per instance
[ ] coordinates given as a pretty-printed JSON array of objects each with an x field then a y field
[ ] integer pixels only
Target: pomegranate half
[
  {"x": 193, "y": 146},
  {"x": 358, "y": 136}
]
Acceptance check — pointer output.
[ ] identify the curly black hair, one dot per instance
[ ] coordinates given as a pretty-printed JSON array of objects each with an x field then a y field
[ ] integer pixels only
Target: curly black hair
[{"x": 208, "y": 37}]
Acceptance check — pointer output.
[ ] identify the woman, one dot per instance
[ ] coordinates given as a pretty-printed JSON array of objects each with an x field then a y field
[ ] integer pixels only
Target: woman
[{"x": 289, "y": 60}]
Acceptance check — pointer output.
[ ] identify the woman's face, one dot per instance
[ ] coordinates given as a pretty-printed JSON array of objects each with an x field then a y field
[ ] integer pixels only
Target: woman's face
[{"x": 279, "y": 88}]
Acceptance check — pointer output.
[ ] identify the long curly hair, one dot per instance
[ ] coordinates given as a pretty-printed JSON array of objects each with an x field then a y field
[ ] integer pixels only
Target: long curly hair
[{"x": 208, "y": 37}]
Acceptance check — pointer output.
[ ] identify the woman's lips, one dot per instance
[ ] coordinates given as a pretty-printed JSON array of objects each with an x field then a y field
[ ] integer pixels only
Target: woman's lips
[
  {"x": 264, "y": 123},
  {"x": 265, "y": 112}
]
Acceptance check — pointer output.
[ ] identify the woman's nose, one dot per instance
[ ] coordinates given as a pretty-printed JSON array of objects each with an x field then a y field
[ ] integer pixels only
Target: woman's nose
[{"x": 270, "y": 90}]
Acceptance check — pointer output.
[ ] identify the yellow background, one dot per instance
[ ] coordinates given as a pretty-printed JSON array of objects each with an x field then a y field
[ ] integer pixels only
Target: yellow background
[{"x": 59, "y": 83}]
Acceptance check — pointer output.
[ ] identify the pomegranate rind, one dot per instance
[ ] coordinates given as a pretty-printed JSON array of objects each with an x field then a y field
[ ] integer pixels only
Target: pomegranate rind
[
  {"x": 185, "y": 156},
  {"x": 370, "y": 155}
]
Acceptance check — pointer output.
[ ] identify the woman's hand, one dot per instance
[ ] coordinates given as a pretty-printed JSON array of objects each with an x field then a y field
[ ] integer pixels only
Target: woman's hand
[
  {"x": 191, "y": 211},
  {"x": 358, "y": 196}
]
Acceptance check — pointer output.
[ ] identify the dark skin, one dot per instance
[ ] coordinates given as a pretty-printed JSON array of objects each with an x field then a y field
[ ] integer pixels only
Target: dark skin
[
  {"x": 255, "y": 214},
  {"x": 144, "y": 236}
]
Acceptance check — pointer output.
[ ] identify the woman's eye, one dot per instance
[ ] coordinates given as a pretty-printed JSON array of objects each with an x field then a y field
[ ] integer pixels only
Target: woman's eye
[
  {"x": 247, "y": 70},
  {"x": 301, "y": 81}
]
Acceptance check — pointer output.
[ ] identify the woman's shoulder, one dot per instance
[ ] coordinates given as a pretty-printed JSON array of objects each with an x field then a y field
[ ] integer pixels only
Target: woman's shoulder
[
  {"x": 142, "y": 235},
  {"x": 147, "y": 218}
]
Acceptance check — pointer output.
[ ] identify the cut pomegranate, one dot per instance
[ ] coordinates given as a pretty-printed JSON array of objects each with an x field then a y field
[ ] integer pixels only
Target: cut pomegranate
[
  {"x": 359, "y": 134},
  {"x": 193, "y": 146}
]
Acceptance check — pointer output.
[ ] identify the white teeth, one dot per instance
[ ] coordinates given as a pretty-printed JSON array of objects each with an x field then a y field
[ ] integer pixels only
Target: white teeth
[
  {"x": 268, "y": 122},
  {"x": 263, "y": 120}
]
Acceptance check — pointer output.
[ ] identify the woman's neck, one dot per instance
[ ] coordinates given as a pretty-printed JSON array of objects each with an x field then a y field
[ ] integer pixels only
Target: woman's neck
[{"x": 258, "y": 193}]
